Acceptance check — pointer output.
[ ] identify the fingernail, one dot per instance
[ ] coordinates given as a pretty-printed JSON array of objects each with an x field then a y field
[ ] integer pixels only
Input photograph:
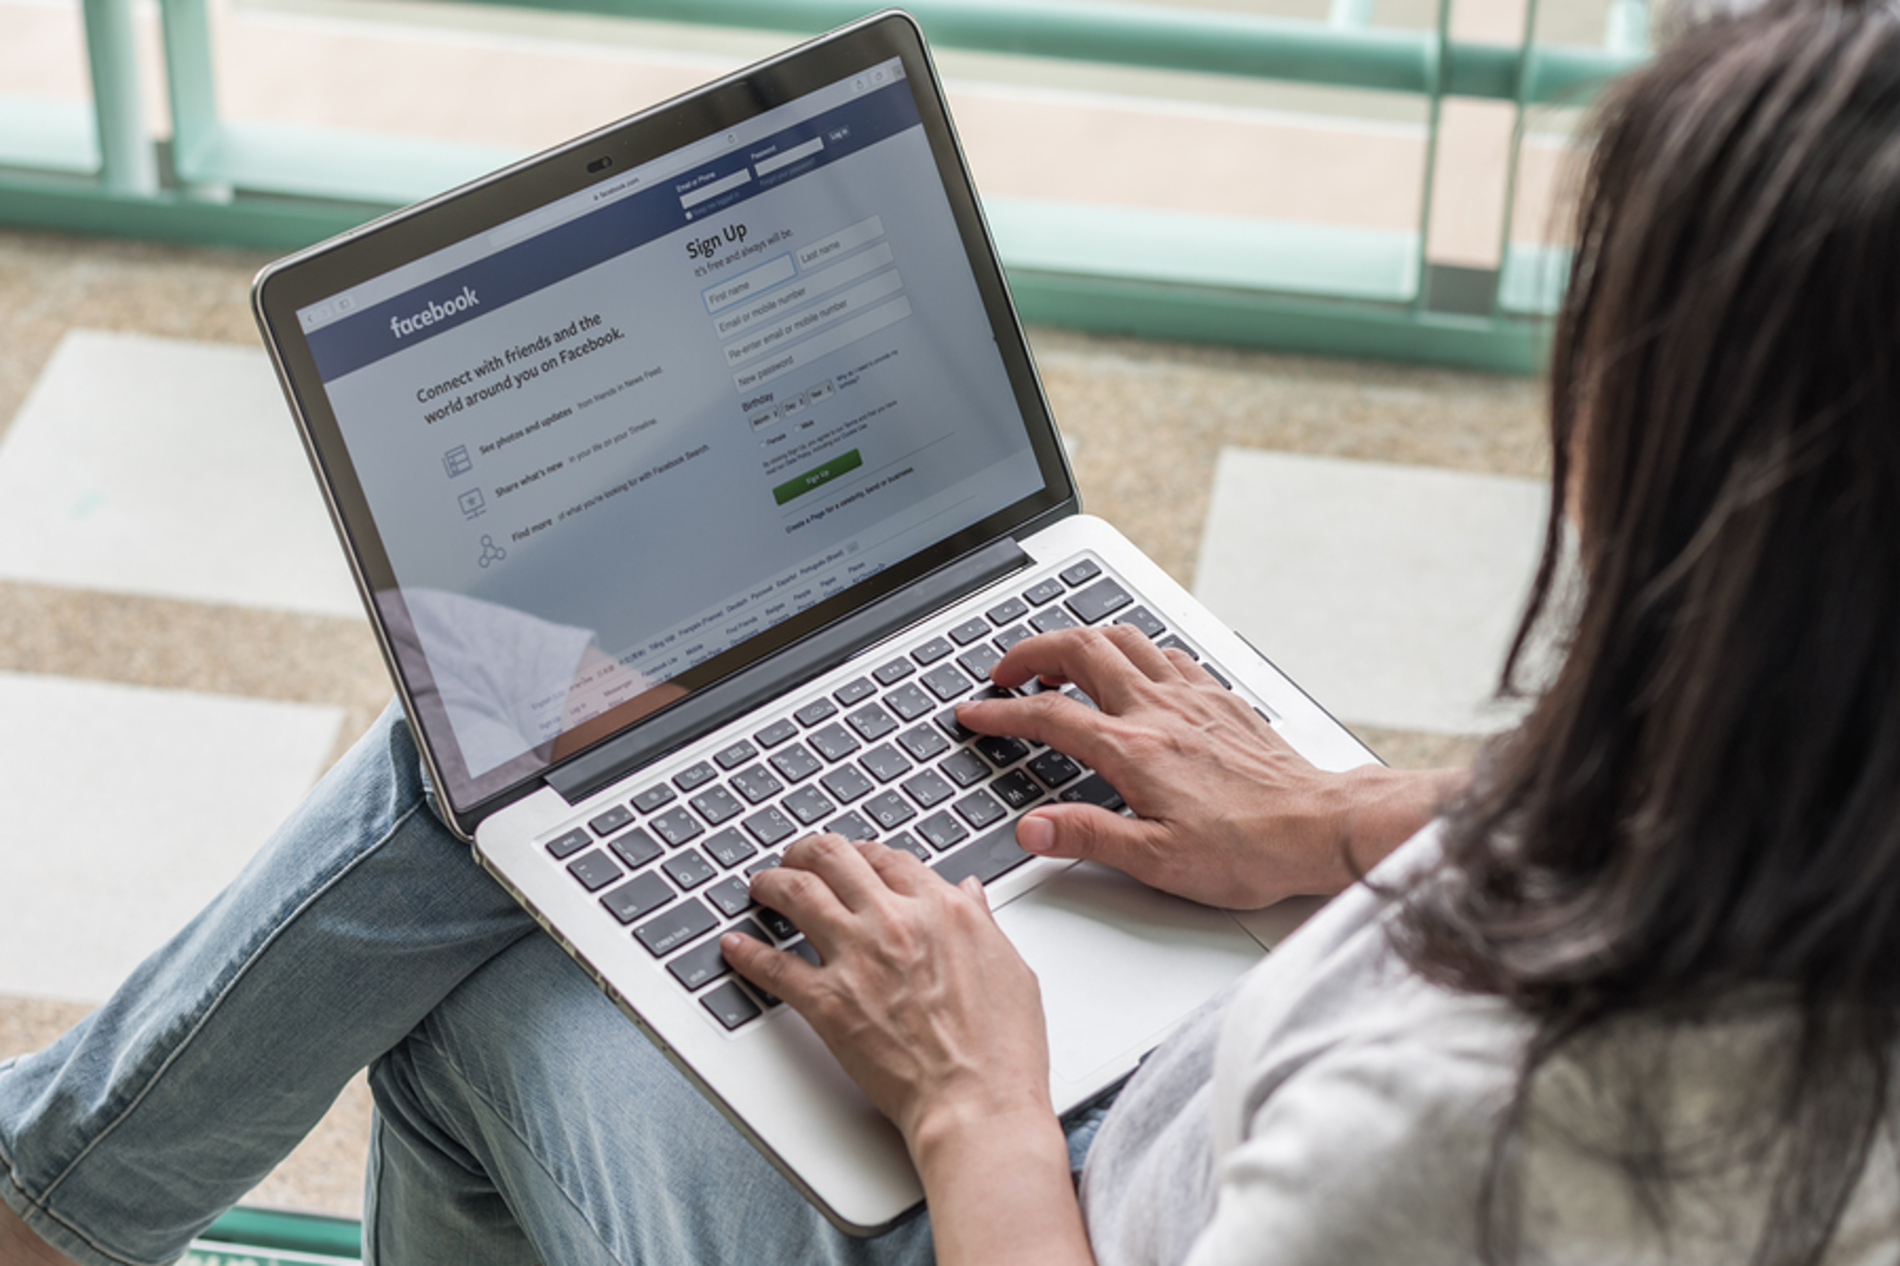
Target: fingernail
[{"x": 1036, "y": 834}]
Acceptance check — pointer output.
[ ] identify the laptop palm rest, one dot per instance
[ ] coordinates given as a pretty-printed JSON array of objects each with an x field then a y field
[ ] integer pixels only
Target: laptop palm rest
[{"x": 1119, "y": 964}]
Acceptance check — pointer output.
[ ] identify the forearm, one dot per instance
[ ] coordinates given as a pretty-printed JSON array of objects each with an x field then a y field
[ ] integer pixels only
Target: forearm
[{"x": 1000, "y": 1191}]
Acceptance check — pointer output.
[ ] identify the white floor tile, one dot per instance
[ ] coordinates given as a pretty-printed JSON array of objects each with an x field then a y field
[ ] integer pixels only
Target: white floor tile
[
  {"x": 168, "y": 468},
  {"x": 1389, "y": 592},
  {"x": 125, "y": 809}
]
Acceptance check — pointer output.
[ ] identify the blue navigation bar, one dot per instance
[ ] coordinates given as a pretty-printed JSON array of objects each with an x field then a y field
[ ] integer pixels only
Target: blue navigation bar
[{"x": 624, "y": 225}]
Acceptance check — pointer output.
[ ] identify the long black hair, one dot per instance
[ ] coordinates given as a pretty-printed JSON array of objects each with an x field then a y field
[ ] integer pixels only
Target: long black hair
[{"x": 1704, "y": 803}]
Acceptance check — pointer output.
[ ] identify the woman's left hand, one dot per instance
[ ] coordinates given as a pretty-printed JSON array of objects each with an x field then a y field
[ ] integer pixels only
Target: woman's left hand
[{"x": 919, "y": 994}]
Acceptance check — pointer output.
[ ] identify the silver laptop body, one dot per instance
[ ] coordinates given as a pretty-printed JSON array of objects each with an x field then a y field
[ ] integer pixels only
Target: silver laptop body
[{"x": 692, "y": 472}]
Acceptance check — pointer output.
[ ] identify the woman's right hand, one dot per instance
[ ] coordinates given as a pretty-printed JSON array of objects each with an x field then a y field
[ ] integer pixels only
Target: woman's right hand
[{"x": 1228, "y": 813}]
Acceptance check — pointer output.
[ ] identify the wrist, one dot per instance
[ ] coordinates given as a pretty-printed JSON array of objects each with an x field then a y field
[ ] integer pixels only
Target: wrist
[
  {"x": 950, "y": 1128},
  {"x": 1378, "y": 809}
]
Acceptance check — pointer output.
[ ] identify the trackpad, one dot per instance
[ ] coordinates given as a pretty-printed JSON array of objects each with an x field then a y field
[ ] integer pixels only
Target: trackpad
[{"x": 1119, "y": 963}]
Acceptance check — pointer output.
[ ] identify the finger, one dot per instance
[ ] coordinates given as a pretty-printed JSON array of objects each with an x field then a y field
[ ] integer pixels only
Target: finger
[
  {"x": 972, "y": 888},
  {"x": 1087, "y": 657},
  {"x": 775, "y": 971},
  {"x": 1069, "y": 726},
  {"x": 900, "y": 870},
  {"x": 840, "y": 865},
  {"x": 1095, "y": 834},
  {"x": 1153, "y": 662}
]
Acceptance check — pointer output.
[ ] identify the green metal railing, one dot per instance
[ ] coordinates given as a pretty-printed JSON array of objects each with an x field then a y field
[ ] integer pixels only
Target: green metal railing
[{"x": 1164, "y": 274}]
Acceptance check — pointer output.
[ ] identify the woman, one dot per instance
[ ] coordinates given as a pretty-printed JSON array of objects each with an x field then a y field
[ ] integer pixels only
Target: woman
[{"x": 1632, "y": 997}]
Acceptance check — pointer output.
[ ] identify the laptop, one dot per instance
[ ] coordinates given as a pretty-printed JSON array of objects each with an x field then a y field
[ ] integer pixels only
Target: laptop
[{"x": 692, "y": 472}]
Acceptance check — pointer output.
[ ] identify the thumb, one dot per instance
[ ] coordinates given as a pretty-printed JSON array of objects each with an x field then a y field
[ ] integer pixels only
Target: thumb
[{"x": 1081, "y": 830}]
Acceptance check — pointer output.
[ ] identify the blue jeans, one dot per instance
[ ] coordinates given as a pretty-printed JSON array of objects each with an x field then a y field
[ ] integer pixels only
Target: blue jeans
[{"x": 520, "y": 1117}]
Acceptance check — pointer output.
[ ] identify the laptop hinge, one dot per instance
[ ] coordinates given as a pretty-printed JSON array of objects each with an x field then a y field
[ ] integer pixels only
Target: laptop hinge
[{"x": 767, "y": 680}]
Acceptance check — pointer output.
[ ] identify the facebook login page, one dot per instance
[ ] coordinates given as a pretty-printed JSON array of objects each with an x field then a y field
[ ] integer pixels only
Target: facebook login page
[{"x": 628, "y": 431}]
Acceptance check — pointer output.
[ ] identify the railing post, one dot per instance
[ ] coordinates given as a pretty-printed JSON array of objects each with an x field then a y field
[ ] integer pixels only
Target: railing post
[
  {"x": 190, "y": 81},
  {"x": 127, "y": 162}
]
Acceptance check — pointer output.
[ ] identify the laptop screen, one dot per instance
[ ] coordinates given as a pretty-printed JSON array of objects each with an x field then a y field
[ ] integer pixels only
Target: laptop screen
[{"x": 619, "y": 445}]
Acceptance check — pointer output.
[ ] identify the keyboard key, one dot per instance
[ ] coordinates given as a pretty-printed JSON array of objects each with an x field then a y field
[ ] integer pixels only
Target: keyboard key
[
  {"x": 610, "y": 821},
  {"x": 846, "y": 783},
  {"x": 1144, "y": 619},
  {"x": 928, "y": 789},
  {"x": 853, "y": 826},
  {"x": 885, "y": 762},
  {"x": 594, "y": 870},
  {"x": 1004, "y": 612},
  {"x": 987, "y": 857},
  {"x": 1215, "y": 673},
  {"x": 652, "y": 798},
  {"x": 781, "y": 928},
  {"x": 1054, "y": 769},
  {"x": 728, "y": 848},
  {"x": 676, "y": 826},
  {"x": 932, "y": 651},
  {"x": 700, "y": 965},
  {"x": 1098, "y": 601},
  {"x": 1094, "y": 790},
  {"x": 969, "y": 631},
  {"x": 907, "y": 842},
  {"x": 1048, "y": 591},
  {"x": 565, "y": 846},
  {"x": 641, "y": 895},
  {"x": 854, "y": 691},
  {"x": 732, "y": 896},
  {"x": 978, "y": 660},
  {"x": 1176, "y": 644},
  {"x": 1049, "y": 619},
  {"x": 815, "y": 711},
  {"x": 1001, "y": 750},
  {"x": 764, "y": 863},
  {"x": 890, "y": 809},
  {"x": 924, "y": 743},
  {"x": 736, "y": 755},
  {"x": 756, "y": 784},
  {"x": 946, "y": 682},
  {"x": 768, "y": 826},
  {"x": 871, "y": 722},
  {"x": 730, "y": 1005},
  {"x": 834, "y": 742},
  {"x": 688, "y": 869},
  {"x": 909, "y": 702},
  {"x": 717, "y": 805},
  {"x": 636, "y": 848},
  {"x": 796, "y": 763},
  {"x": 698, "y": 775},
  {"x": 948, "y": 723},
  {"x": 1085, "y": 570},
  {"x": 808, "y": 804},
  {"x": 979, "y": 809},
  {"x": 943, "y": 831},
  {"x": 1010, "y": 636},
  {"x": 1016, "y": 789},
  {"x": 966, "y": 768},
  {"x": 895, "y": 671},
  {"x": 777, "y": 732},
  {"x": 807, "y": 951}
]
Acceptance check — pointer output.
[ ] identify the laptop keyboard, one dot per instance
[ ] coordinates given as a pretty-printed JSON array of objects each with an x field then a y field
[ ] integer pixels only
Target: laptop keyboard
[{"x": 880, "y": 757}]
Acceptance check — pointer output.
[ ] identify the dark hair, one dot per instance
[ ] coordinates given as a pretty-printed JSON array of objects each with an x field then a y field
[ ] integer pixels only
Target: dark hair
[{"x": 1703, "y": 805}]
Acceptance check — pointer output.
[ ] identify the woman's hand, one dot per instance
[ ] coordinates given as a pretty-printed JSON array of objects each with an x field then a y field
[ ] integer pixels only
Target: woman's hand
[
  {"x": 1227, "y": 812},
  {"x": 934, "y": 1014},
  {"x": 920, "y": 995}
]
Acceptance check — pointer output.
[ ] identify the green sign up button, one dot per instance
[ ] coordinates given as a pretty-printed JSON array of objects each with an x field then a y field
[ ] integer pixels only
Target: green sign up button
[{"x": 817, "y": 476}]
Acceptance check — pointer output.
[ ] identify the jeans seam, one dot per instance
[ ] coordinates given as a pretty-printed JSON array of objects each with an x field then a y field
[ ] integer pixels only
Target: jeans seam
[{"x": 217, "y": 1000}]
